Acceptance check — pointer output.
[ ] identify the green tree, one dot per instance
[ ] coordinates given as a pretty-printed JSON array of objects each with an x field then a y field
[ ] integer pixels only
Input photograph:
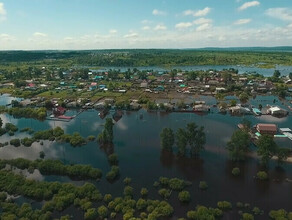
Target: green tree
[
  {"x": 102, "y": 211},
  {"x": 181, "y": 141},
  {"x": 90, "y": 214},
  {"x": 167, "y": 139},
  {"x": 262, "y": 175},
  {"x": 247, "y": 216},
  {"x": 238, "y": 145},
  {"x": 107, "y": 135},
  {"x": 1, "y": 122},
  {"x": 144, "y": 192},
  {"x": 235, "y": 171},
  {"x": 232, "y": 102},
  {"x": 184, "y": 196},
  {"x": 282, "y": 154},
  {"x": 276, "y": 74},
  {"x": 243, "y": 97},
  {"x": 267, "y": 148},
  {"x": 199, "y": 142}
]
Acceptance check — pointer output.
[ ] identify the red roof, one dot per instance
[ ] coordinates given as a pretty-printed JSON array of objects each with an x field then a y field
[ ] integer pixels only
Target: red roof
[{"x": 267, "y": 127}]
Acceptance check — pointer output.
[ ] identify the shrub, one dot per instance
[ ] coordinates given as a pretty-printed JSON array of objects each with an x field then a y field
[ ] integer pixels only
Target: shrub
[
  {"x": 224, "y": 205},
  {"x": 15, "y": 142},
  {"x": 141, "y": 204},
  {"x": 156, "y": 184},
  {"x": 107, "y": 198},
  {"x": 247, "y": 216},
  {"x": 10, "y": 127},
  {"x": 176, "y": 184},
  {"x": 203, "y": 185},
  {"x": 164, "y": 181},
  {"x": 42, "y": 155},
  {"x": 113, "y": 159},
  {"x": 262, "y": 175},
  {"x": 128, "y": 191},
  {"x": 144, "y": 192},
  {"x": 113, "y": 173},
  {"x": 239, "y": 205},
  {"x": 164, "y": 193},
  {"x": 127, "y": 181},
  {"x": 27, "y": 142},
  {"x": 102, "y": 211},
  {"x": 91, "y": 138},
  {"x": 184, "y": 196},
  {"x": 235, "y": 171},
  {"x": 256, "y": 211}
]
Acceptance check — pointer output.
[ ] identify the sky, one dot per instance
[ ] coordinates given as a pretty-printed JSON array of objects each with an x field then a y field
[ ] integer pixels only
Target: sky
[{"x": 119, "y": 24}]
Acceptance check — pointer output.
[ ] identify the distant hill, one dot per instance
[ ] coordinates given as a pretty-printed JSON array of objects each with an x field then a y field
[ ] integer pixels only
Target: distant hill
[{"x": 255, "y": 49}]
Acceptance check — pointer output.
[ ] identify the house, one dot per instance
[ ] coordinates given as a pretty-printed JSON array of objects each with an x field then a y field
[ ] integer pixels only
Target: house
[
  {"x": 71, "y": 104},
  {"x": 98, "y": 77},
  {"x": 57, "y": 111},
  {"x": 92, "y": 86},
  {"x": 102, "y": 87},
  {"x": 159, "y": 88},
  {"x": 201, "y": 108},
  {"x": 276, "y": 111},
  {"x": 100, "y": 105},
  {"x": 270, "y": 129},
  {"x": 144, "y": 84},
  {"x": 109, "y": 101},
  {"x": 134, "y": 105},
  {"x": 220, "y": 89},
  {"x": 239, "y": 110}
]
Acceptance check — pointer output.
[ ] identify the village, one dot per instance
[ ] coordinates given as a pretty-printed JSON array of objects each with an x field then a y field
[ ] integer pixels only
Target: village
[{"x": 169, "y": 91}]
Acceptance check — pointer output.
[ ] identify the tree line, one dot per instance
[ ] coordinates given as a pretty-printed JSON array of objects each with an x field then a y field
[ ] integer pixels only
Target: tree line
[{"x": 192, "y": 136}]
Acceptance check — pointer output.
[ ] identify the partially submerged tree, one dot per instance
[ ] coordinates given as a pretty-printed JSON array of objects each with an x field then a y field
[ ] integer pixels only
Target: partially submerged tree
[
  {"x": 267, "y": 148},
  {"x": 238, "y": 145},
  {"x": 167, "y": 139},
  {"x": 107, "y": 136}
]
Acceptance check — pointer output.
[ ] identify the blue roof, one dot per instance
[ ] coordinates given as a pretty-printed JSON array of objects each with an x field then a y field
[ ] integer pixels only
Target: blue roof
[{"x": 255, "y": 110}]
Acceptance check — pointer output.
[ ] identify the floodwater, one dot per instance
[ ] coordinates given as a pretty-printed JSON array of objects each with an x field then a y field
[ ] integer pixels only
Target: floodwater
[
  {"x": 137, "y": 144},
  {"x": 285, "y": 70}
]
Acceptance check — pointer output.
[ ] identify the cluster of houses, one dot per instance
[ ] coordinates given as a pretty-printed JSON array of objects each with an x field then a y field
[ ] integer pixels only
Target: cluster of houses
[{"x": 241, "y": 109}]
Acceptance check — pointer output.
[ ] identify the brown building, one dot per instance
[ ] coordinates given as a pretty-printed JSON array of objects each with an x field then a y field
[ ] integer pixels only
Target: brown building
[{"x": 267, "y": 129}]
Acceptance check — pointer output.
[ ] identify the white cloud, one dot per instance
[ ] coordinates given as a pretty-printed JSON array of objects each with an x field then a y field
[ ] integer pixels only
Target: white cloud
[
  {"x": 68, "y": 39},
  {"x": 203, "y": 12},
  {"x": 248, "y": 5},
  {"x": 183, "y": 25},
  {"x": 199, "y": 13},
  {"x": 284, "y": 14},
  {"x": 113, "y": 31},
  {"x": 145, "y": 28},
  {"x": 6, "y": 37},
  {"x": 158, "y": 12},
  {"x": 200, "y": 21},
  {"x": 160, "y": 27},
  {"x": 204, "y": 27},
  {"x": 189, "y": 12},
  {"x": 2, "y": 12},
  {"x": 39, "y": 34},
  {"x": 146, "y": 21},
  {"x": 131, "y": 35},
  {"x": 242, "y": 21}
]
